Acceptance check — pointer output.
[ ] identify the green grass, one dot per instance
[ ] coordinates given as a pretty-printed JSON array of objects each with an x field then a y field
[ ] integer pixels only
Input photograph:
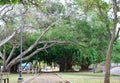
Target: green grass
[
  {"x": 86, "y": 77},
  {"x": 13, "y": 78},
  {"x": 75, "y": 77}
]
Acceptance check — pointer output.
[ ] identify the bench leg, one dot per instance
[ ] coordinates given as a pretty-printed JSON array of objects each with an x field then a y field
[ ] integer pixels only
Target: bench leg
[
  {"x": 4, "y": 80},
  {"x": 7, "y": 80}
]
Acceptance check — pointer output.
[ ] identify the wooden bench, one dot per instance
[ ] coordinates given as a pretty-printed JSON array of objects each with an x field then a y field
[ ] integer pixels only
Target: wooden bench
[{"x": 4, "y": 77}]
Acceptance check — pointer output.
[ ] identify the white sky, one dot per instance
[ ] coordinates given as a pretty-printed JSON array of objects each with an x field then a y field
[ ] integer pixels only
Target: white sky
[{"x": 107, "y": 1}]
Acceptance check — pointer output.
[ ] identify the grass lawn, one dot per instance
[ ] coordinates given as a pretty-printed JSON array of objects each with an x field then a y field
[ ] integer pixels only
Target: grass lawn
[
  {"x": 87, "y": 77},
  {"x": 13, "y": 78},
  {"x": 74, "y": 77}
]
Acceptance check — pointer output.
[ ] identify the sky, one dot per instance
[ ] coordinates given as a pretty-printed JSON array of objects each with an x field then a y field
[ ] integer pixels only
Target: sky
[{"x": 107, "y": 1}]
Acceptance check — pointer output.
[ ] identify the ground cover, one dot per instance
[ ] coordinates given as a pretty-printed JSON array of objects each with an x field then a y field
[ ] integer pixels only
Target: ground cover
[
  {"x": 87, "y": 77},
  {"x": 74, "y": 77},
  {"x": 13, "y": 78}
]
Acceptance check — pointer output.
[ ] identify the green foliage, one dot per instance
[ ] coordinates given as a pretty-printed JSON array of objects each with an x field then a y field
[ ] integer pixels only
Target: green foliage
[
  {"x": 29, "y": 40},
  {"x": 53, "y": 7},
  {"x": 91, "y": 36},
  {"x": 1, "y": 62},
  {"x": 58, "y": 53},
  {"x": 31, "y": 37},
  {"x": 86, "y": 55},
  {"x": 25, "y": 2},
  {"x": 116, "y": 52},
  {"x": 62, "y": 31},
  {"x": 2, "y": 2},
  {"x": 91, "y": 5}
]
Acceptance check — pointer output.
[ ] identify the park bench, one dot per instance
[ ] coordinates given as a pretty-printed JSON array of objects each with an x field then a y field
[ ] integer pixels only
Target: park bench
[{"x": 4, "y": 77}]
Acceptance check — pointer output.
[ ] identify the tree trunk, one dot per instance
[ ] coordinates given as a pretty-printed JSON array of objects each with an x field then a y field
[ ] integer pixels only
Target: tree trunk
[
  {"x": 69, "y": 63},
  {"x": 84, "y": 67},
  {"x": 113, "y": 38},
  {"x": 94, "y": 67},
  {"x": 4, "y": 60},
  {"x": 14, "y": 69},
  {"x": 65, "y": 67},
  {"x": 66, "y": 64},
  {"x": 62, "y": 67},
  {"x": 108, "y": 62}
]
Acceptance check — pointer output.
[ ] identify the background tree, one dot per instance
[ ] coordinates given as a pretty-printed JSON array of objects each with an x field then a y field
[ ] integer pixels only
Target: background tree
[{"x": 88, "y": 45}]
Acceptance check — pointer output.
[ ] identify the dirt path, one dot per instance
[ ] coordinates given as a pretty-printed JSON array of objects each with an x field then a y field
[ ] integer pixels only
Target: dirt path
[{"x": 47, "y": 78}]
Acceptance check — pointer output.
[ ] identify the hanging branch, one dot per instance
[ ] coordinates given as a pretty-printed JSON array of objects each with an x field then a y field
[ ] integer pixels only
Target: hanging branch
[
  {"x": 11, "y": 54},
  {"x": 1, "y": 55},
  {"x": 117, "y": 35},
  {"x": 8, "y": 38}
]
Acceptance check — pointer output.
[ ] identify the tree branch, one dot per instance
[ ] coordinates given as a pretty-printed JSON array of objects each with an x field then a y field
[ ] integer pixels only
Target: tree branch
[
  {"x": 108, "y": 30},
  {"x": 16, "y": 60},
  {"x": 3, "y": 8},
  {"x": 37, "y": 41},
  {"x": 11, "y": 54},
  {"x": 101, "y": 14},
  {"x": 14, "y": 15},
  {"x": 1, "y": 55},
  {"x": 117, "y": 35},
  {"x": 38, "y": 50},
  {"x": 8, "y": 38},
  {"x": 8, "y": 9},
  {"x": 63, "y": 42},
  {"x": 55, "y": 41},
  {"x": 115, "y": 17},
  {"x": 32, "y": 46}
]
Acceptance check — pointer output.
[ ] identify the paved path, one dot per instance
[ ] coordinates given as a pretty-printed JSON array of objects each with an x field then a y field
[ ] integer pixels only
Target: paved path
[{"x": 46, "y": 78}]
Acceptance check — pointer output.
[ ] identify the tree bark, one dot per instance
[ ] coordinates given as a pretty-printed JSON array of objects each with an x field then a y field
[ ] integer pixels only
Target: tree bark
[
  {"x": 10, "y": 56},
  {"x": 14, "y": 69},
  {"x": 84, "y": 67},
  {"x": 66, "y": 64},
  {"x": 108, "y": 62},
  {"x": 4, "y": 58},
  {"x": 7, "y": 38},
  {"x": 109, "y": 52}
]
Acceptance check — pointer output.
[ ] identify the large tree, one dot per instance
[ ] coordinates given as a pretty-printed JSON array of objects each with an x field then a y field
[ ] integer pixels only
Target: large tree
[
  {"x": 29, "y": 20},
  {"x": 101, "y": 10},
  {"x": 86, "y": 40}
]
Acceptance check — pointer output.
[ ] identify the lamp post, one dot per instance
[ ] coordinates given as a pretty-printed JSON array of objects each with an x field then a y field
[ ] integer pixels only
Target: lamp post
[{"x": 20, "y": 79}]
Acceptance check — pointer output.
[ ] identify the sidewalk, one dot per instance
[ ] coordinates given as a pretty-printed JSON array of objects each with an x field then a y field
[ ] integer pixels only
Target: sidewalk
[{"x": 46, "y": 78}]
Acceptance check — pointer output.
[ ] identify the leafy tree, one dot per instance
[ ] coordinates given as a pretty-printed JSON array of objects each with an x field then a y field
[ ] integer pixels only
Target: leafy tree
[
  {"x": 27, "y": 24},
  {"x": 60, "y": 54},
  {"x": 102, "y": 8},
  {"x": 88, "y": 48}
]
